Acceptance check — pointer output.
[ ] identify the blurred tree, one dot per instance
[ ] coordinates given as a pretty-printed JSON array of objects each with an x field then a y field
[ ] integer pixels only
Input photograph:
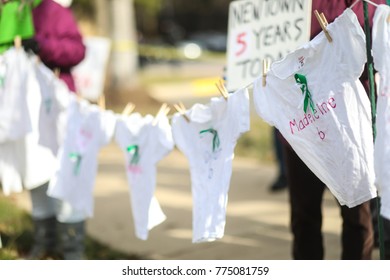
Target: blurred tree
[
  {"x": 116, "y": 20},
  {"x": 123, "y": 32},
  {"x": 146, "y": 15}
]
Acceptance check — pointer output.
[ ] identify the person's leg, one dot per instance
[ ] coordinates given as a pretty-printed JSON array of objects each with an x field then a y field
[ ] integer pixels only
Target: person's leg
[
  {"x": 71, "y": 226},
  {"x": 386, "y": 237},
  {"x": 44, "y": 222},
  {"x": 357, "y": 232},
  {"x": 281, "y": 181},
  {"x": 374, "y": 217},
  {"x": 306, "y": 192}
]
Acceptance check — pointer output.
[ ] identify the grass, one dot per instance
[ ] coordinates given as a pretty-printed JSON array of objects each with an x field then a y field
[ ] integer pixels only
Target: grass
[
  {"x": 257, "y": 142},
  {"x": 16, "y": 232}
]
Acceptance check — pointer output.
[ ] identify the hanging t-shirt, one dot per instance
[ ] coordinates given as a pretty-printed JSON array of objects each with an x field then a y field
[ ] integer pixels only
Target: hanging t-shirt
[
  {"x": 11, "y": 154},
  {"x": 315, "y": 99},
  {"x": 15, "y": 120},
  {"x": 381, "y": 55},
  {"x": 55, "y": 99},
  {"x": 208, "y": 141},
  {"x": 88, "y": 129},
  {"x": 22, "y": 160},
  {"x": 39, "y": 162},
  {"x": 144, "y": 145}
]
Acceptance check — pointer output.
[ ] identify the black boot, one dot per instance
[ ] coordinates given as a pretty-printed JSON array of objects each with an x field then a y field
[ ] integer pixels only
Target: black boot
[
  {"x": 72, "y": 237},
  {"x": 45, "y": 238}
]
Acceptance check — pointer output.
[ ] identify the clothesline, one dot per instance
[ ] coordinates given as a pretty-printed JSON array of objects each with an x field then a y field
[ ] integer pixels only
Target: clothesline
[{"x": 368, "y": 1}]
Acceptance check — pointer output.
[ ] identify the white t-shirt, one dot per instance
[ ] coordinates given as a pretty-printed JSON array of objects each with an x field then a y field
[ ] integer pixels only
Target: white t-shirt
[
  {"x": 88, "y": 129},
  {"x": 144, "y": 145},
  {"x": 11, "y": 154},
  {"x": 208, "y": 141},
  {"x": 24, "y": 161},
  {"x": 40, "y": 164},
  {"x": 14, "y": 115},
  {"x": 334, "y": 136},
  {"x": 381, "y": 55},
  {"x": 55, "y": 99}
]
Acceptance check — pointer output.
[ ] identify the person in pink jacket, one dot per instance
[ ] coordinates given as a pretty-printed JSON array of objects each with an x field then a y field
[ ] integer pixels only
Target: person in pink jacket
[{"x": 58, "y": 43}]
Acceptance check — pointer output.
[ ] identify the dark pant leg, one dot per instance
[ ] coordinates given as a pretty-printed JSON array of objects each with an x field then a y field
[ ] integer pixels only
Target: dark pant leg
[
  {"x": 306, "y": 192},
  {"x": 279, "y": 152},
  {"x": 386, "y": 237},
  {"x": 357, "y": 234}
]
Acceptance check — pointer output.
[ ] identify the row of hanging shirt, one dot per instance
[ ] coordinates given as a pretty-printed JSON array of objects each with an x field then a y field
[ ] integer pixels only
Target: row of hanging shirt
[
  {"x": 313, "y": 96},
  {"x": 68, "y": 133}
]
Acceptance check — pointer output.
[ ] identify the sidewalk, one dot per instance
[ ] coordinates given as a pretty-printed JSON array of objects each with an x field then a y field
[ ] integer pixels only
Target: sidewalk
[{"x": 256, "y": 223}]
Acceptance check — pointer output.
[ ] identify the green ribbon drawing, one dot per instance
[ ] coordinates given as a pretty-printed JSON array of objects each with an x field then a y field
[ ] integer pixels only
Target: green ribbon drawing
[
  {"x": 216, "y": 141},
  {"x": 134, "y": 151},
  {"x": 76, "y": 157},
  {"x": 301, "y": 80}
]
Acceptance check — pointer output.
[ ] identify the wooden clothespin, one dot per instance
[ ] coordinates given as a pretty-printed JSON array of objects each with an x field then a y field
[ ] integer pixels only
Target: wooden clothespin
[
  {"x": 266, "y": 65},
  {"x": 323, "y": 23},
  {"x": 18, "y": 42},
  {"x": 182, "y": 110},
  {"x": 57, "y": 72},
  {"x": 164, "y": 110},
  {"x": 324, "y": 20},
  {"x": 128, "y": 109},
  {"x": 222, "y": 89},
  {"x": 102, "y": 102}
]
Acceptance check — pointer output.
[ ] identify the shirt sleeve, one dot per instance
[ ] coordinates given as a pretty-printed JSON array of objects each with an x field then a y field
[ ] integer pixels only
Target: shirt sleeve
[
  {"x": 380, "y": 35},
  {"x": 239, "y": 111},
  {"x": 107, "y": 126},
  {"x": 350, "y": 43},
  {"x": 164, "y": 138}
]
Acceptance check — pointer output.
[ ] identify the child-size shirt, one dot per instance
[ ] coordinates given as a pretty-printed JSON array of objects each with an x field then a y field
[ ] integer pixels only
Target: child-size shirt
[
  {"x": 39, "y": 162},
  {"x": 144, "y": 144},
  {"x": 15, "y": 120},
  {"x": 54, "y": 101},
  {"x": 23, "y": 160},
  {"x": 208, "y": 141},
  {"x": 88, "y": 128},
  {"x": 315, "y": 99},
  {"x": 381, "y": 55}
]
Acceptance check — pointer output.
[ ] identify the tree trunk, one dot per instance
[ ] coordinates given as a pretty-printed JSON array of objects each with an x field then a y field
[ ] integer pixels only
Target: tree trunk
[{"x": 124, "y": 62}]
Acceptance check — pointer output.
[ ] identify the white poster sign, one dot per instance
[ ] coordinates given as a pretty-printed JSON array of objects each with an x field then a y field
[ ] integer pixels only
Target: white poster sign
[
  {"x": 90, "y": 74},
  {"x": 263, "y": 29}
]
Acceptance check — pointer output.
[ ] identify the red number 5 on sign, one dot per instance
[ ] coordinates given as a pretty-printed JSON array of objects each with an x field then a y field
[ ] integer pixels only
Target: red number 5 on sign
[{"x": 241, "y": 43}]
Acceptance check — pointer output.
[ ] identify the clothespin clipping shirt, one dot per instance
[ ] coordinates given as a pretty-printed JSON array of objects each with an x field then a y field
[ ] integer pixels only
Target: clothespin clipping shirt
[
  {"x": 128, "y": 109},
  {"x": 164, "y": 110},
  {"x": 18, "y": 42},
  {"x": 182, "y": 110},
  {"x": 57, "y": 72},
  {"x": 323, "y": 23},
  {"x": 266, "y": 65},
  {"x": 222, "y": 89},
  {"x": 102, "y": 102}
]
